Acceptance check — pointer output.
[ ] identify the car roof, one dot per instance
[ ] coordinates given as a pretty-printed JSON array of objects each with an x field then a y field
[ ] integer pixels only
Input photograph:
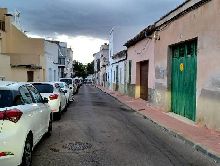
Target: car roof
[
  {"x": 50, "y": 83},
  {"x": 9, "y": 85},
  {"x": 66, "y": 79},
  {"x": 60, "y": 82}
]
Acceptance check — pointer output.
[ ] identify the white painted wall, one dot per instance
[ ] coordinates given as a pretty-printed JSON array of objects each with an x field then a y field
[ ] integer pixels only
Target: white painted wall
[
  {"x": 69, "y": 63},
  {"x": 51, "y": 58},
  {"x": 118, "y": 36}
]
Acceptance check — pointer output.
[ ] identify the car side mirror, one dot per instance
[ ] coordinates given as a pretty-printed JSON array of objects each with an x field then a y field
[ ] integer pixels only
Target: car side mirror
[{"x": 45, "y": 100}]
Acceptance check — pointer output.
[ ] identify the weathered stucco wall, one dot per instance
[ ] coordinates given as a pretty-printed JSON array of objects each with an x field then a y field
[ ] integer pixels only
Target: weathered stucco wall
[
  {"x": 19, "y": 50},
  {"x": 203, "y": 24},
  {"x": 141, "y": 51},
  {"x": 5, "y": 69},
  {"x": 20, "y": 75}
]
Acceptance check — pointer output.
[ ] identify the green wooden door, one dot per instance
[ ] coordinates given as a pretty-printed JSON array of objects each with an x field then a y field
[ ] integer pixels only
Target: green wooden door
[{"x": 183, "y": 85}]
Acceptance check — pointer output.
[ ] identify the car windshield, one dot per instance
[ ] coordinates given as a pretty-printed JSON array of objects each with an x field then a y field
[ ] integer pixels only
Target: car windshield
[
  {"x": 7, "y": 98},
  {"x": 68, "y": 81},
  {"x": 44, "y": 88}
]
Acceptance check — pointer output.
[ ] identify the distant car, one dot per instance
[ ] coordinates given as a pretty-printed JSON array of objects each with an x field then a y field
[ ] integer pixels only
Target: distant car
[
  {"x": 71, "y": 83},
  {"x": 77, "y": 82},
  {"x": 80, "y": 81},
  {"x": 67, "y": 90},
  {"x": 56, "y": 97},
  {"x": 24, "y": 118},
  {"x": 88, "y": 81}
]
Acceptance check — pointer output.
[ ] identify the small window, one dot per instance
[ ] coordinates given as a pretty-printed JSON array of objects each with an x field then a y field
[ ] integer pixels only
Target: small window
[{"x": 30, "y": 76}]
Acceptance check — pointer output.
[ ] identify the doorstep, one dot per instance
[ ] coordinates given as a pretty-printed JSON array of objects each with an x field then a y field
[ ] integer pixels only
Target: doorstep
[{"x": 202, "y": 139}]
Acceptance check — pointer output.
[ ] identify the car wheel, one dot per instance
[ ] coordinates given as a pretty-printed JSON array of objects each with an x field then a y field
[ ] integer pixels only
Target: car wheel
[
  {"x": 48, "y": 134},
  {"x": 57, "y": 115},
  {"x": 27, "y": 155}
]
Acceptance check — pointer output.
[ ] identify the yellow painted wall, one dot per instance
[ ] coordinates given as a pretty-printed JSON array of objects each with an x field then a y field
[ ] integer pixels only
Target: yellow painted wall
[
  {"x": 20, "y": 75},
  {"x": 21, "y": 51},
  {"x": 27, "y": 50}
]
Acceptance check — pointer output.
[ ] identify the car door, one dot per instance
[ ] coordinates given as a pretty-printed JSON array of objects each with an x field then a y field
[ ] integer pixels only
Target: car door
[
  {"x": 44, "y": 111},
  {"x": 32, "y": 112},
  {"x": 61, "y": 97}
]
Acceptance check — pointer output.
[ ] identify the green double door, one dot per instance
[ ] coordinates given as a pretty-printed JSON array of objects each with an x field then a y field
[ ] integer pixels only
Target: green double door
[{"x": 183, "y": 80}]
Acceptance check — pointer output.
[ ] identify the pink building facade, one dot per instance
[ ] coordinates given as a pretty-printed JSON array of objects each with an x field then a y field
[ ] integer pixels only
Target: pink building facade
[
  {"x": 195, "y": 21},
  {"x": 178, "y": 62},
  {"x": 140, "y": 54}
]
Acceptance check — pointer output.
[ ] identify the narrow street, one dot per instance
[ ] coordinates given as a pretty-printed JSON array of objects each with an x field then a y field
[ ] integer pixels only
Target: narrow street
[{"x": 98, "y": 130}]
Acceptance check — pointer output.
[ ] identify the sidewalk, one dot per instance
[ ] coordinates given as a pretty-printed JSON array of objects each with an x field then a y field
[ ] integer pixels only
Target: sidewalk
[{"x": 202, "y": 139}]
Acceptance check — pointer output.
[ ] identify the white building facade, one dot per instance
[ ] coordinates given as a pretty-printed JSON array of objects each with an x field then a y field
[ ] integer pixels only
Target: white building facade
[
  {"x": 97, "y": 78},
  {"x": 69, "y": 63},
  {"x": 51, "y": 60},
  {"x": 117, "y": 67},
  {"x": 104, "y": 60}
]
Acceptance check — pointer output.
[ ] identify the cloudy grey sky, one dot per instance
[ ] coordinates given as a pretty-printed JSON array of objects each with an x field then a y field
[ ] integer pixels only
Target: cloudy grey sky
[{"x": 86, "y": 18}]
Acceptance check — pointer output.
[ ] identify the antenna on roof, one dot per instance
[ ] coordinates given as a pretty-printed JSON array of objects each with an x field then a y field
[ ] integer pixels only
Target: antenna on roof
[{"x": 17, "y": 21}]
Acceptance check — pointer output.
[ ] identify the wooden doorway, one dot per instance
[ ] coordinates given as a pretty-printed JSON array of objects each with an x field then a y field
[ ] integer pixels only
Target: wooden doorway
[
  {"x": 144, "y": 65},
  {"x": 184, "y": 74},
  {"x": 30, "y": 76}
]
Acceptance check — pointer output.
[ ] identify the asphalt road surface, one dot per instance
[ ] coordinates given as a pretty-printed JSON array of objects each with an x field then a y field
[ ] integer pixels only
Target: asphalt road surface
[{"x": 97, "y": 130}]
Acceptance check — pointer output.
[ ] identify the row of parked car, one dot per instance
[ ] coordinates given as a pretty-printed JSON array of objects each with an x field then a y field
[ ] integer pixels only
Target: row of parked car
[{"x": 26, "y": 114}]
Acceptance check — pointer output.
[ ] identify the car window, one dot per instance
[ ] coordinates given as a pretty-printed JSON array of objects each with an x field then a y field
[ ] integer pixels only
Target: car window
[
  {"x": 43, "y": 88},
  {"x": 66, "y": 86},
  {"x": 9, "y": 98},
  {"x": 68, "y": 81},
  {"x": 35, "y": 94},
  {"x": 18, "y": 100},
  {"x": 61, "y": 85},
  {"x": 25, "y": 94},
  {"x": 57, "y": 90}
]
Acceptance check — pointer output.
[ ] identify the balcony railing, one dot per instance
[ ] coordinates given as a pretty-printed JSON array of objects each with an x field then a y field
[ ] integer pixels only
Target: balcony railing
[{"x": 2, "y": 25}]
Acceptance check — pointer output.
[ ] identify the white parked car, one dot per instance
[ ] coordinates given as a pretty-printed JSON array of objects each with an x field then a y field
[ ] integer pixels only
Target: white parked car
[
  {"x": 24, "y": 118},
  {"x": 70, "y": 82},
  {"x": 56, "y": 97},
  {"x": 67, "y": 90}
]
